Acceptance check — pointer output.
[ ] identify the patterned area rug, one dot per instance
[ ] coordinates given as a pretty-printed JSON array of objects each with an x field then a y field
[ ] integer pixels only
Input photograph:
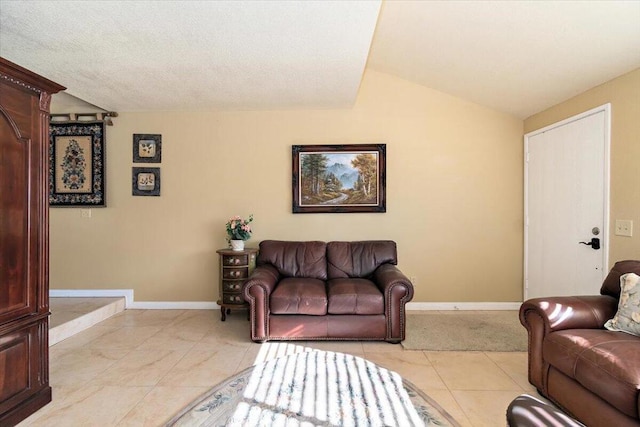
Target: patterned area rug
[{"x": 314, "y": 388}]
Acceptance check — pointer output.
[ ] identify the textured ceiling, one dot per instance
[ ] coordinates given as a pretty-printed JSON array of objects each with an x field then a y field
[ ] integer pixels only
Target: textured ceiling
[
  {"x": 194, "y": 55},
  {"x": 518, "y": 57}
]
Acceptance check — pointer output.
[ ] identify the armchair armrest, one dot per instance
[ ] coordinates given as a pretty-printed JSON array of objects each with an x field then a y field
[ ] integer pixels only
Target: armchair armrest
[
  {"x": 257, "y": 290},
  {"x": 575, "y": 312},
  {"x": 541, "y": 316},
  {"x": 397, "y": 290}
]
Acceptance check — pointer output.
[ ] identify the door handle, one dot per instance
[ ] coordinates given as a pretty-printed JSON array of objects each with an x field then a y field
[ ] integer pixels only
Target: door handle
[{"x": 594, "y": 243}]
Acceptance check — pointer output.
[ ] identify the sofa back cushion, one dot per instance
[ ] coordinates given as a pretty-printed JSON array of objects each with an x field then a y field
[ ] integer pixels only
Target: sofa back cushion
[
  {"x": 359, "y": 259},
  {"x": 295, "y": 259},
  {"x": 611, "y": 284}
]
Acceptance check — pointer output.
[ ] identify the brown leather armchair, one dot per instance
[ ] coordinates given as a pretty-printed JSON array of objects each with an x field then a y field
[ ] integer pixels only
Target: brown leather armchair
[
  {"x": 327, "y": 291},
  {"x": 590, "y": 372}
]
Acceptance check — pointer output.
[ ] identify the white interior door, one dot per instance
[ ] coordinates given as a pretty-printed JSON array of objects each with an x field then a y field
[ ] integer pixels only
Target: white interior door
[{"x": 567, "y": 202}]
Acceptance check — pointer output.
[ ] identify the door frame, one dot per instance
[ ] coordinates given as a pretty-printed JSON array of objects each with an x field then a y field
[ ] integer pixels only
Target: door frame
[{"x": 606, "y": 109}]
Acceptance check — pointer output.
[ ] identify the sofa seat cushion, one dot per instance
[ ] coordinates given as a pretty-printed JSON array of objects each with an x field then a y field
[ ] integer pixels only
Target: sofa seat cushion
[
  {"x": 354, "y": 296},
  {"x": 602, "y": 361},
  {"x": 296, "y": 295}
]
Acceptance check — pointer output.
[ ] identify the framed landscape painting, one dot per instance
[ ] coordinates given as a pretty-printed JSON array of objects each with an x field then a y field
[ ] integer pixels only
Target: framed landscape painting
[{"x": 339, "y": 178}]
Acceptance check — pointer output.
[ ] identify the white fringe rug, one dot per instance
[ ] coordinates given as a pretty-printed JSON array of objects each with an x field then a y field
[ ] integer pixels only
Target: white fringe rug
[{"x": 315, "y": 388}]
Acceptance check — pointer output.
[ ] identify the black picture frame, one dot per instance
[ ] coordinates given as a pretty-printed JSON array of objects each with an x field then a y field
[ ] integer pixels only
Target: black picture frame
[
  {"x": 339, "y": 178},
  {"x": 77, "y": 164},
  {"x": 145, "y": 181},
  {"x": 147, "y": 148}
]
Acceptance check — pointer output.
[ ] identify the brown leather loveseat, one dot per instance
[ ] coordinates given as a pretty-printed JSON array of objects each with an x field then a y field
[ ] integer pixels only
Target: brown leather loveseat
[
  {"x": 592, "y": 373},
  {"x": 327, "y": 291}
]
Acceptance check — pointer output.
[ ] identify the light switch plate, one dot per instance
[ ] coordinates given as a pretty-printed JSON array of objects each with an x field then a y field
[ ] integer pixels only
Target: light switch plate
[
  {"x": 86, "y": 213},
  {"x": 624, "y": 227}
]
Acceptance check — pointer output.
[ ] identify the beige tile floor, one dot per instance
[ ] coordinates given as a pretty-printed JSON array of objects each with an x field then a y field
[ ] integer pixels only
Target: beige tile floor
[
  {"x": 140, "y": 367},
  {"x": 65, "y": 310},
  {"x": 72, "y": 315}
]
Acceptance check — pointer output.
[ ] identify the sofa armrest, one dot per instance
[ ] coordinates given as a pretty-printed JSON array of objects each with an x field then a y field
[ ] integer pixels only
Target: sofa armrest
[
  {"x": 257, "y": 290},
  {"x": 397, "y": 290},
  {"x": 541, "y": 316}
]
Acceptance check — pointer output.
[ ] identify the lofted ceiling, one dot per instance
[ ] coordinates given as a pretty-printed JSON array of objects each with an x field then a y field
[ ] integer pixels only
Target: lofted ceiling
[{"x": 518, "y": 57}]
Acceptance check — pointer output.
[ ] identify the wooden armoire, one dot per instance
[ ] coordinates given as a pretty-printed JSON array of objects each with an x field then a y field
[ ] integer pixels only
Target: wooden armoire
[{"x": 24, "y": 242}]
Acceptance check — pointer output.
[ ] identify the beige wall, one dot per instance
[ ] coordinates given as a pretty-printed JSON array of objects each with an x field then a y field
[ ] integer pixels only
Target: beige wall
[
  {"x": 624, "y": 95},
  {"x": 454, "y": 196}
]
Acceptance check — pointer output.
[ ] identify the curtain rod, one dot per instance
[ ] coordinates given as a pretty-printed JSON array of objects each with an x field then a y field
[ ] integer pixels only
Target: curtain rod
[
  {"x": 84, "y": 117},
  {"x": 105, "y": 116}
]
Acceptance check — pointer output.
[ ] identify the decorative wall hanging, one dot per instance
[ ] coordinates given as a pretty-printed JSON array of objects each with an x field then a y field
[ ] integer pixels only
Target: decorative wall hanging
[
  {"x": 147, "y": 148},
  {"x": 339, "y": 178},
  {"x": 76, "y": 164},
  {"x": 145, "y": 181}
]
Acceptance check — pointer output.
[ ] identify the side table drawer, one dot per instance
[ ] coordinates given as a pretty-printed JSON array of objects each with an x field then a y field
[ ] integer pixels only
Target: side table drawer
[
  {"x": 235, "y": 260},
  {"x": 232, "y": 299},
  {"x": 235, "y": 273},
  {"x": 235, "y": 269},
  {"x": 232, "y": 286}
]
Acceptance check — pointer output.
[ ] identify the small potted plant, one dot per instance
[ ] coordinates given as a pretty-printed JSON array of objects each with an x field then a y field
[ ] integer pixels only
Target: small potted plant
[{"x": 238, "y": 230}]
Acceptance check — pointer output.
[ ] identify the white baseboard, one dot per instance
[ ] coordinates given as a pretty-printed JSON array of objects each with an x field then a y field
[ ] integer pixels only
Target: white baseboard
[
  {"x": 130, "y": 303},
  {"x": 462, "y": 306},
  {"x": 94, "y": 293},
  {"x": 210, "y": 305}
]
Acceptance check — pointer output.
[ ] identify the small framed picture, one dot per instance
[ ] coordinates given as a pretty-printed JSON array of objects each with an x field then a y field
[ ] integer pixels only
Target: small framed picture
[
  {"x": 145, "y": 181},
  {"x": 147, "y": 148}
]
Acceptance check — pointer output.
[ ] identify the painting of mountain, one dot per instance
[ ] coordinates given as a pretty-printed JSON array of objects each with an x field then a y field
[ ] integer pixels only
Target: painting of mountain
[
  {"x": 346, "y": 174},
  {"x": 338, "y": 178}
]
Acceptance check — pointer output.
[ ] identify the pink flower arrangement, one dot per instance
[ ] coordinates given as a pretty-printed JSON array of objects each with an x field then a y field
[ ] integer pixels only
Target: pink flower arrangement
[{"x": 238, "y": 228}]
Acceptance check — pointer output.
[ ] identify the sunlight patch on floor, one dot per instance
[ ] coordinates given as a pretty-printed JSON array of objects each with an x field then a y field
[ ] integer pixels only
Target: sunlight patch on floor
[{"x": 294, "y": 385}]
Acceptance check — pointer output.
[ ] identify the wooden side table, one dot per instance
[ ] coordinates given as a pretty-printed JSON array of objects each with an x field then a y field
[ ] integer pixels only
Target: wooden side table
[{"x": 235, "y": 268}]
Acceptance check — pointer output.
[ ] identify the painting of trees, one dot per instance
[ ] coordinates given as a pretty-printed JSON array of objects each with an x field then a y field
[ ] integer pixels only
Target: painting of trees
[
  {"x": 339, "y": 178},
  {"x": 367, "y": 165},
  {"x": 313, "y": 169}
]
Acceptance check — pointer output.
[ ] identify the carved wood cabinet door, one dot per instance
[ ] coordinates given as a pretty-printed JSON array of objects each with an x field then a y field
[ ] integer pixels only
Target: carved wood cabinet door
[{"x": 24, "y": 228}]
